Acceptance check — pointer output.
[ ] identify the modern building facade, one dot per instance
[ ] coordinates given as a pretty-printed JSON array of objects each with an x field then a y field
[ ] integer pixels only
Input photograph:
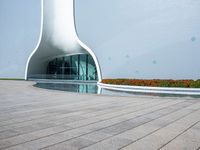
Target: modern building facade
[
  {"x": 59, "y": 53},
  {"x": 91, "y": 40}
]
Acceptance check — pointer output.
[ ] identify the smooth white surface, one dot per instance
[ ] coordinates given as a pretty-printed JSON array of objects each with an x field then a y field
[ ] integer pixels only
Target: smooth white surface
[
  {"x": 151, "y": 39},
  {"x": 143, "y": 89},
  {"x": 57, "y": 38},
  {"x": 155, "y": 39}
]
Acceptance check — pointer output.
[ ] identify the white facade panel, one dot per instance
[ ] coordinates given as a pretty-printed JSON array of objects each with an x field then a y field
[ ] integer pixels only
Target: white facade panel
[
  {"x": 154, "y": 39},
  {"x": 142, "y": 39}
]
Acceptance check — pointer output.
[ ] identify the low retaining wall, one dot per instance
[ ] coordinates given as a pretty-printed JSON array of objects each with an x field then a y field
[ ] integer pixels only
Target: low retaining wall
[{"x": 145, "y": 89}]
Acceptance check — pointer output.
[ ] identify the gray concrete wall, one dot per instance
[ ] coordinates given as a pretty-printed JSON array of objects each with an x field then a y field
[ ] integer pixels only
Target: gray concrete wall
[
  {"x": 19, "y": 33},
  {"x": 142, "y": 39},
  {"x": 132, "y": 39}
]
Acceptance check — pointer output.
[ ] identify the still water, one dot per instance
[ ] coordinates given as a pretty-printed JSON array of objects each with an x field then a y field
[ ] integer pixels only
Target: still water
[{"x": 93, "y": 88}]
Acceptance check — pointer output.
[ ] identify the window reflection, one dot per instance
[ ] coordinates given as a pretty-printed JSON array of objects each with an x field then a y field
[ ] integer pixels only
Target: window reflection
[{"x": 75, "y": 67}]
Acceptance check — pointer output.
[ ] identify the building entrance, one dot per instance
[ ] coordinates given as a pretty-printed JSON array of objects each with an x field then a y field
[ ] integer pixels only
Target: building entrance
[{"x": 74, "y": 67}]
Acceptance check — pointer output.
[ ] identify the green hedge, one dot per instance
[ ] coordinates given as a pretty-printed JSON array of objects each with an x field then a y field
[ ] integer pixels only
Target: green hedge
[
  {"x": 155, "y": 82},
  {"x": 10, "y": 79}
]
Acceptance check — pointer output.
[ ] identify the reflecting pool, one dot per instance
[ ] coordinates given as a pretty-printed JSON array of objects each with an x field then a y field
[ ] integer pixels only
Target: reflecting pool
[
  {"x": 93, "y": 88},
  {"x": 70, "y": 87}
]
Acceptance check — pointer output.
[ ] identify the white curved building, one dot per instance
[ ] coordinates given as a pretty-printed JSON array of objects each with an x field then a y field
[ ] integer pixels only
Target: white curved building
[
  {"x": 59, "y": 53},
  {"x": 91, "y": 40}
]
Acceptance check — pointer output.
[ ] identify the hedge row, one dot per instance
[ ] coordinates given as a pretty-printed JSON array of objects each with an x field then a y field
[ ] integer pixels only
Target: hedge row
[{"x": 155, "y": 83}]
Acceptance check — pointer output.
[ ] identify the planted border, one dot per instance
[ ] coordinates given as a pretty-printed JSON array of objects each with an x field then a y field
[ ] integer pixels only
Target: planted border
[
  {"x": 154, "y": 83},
  {"x": 17, "y": 79}
]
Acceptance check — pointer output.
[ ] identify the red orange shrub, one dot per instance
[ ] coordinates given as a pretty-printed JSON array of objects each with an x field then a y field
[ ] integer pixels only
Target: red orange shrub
[{"x": 154, "y": 82}]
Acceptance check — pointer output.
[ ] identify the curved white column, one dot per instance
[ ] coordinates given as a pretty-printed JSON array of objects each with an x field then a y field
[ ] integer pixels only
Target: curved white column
[{"x": 58, "y": 37}]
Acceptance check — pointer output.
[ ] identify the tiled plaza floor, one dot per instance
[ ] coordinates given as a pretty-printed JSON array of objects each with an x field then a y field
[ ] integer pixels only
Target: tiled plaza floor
[{"x": 33, "y": 118}]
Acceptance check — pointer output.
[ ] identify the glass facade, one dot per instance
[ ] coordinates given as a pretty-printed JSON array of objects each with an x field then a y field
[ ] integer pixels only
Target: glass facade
[{"x": 75, "y": 67}]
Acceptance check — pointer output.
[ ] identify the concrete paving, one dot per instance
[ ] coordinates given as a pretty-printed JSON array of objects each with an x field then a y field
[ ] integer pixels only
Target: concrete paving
[{"x": 33, "y": 118}]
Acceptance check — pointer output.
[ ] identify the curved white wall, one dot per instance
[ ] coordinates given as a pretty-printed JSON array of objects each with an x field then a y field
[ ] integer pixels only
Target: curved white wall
[
  {"x": 131, "y": 38},
  {"x": 58, "y": 37}
]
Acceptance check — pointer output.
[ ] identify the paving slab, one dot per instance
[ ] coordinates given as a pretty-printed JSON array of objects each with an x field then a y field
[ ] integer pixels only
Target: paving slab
[
  {"x": 189, "y": 140},
  {"x": 32, "y": 118},
  {"x": 161, "y": 137}
]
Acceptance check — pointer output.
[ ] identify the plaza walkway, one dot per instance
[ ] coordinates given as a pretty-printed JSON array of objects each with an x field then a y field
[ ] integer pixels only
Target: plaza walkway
[{"x": 32, "y": 118}]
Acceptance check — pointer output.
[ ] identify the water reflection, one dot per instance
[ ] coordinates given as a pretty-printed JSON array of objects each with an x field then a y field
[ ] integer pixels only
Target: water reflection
[
  {"x": 79, "y": 88},
  {"x": 94, "y": 89}
]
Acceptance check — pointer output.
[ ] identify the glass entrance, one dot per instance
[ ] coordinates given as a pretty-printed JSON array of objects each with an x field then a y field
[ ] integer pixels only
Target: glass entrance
[{"x": 75, "y": 67}]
